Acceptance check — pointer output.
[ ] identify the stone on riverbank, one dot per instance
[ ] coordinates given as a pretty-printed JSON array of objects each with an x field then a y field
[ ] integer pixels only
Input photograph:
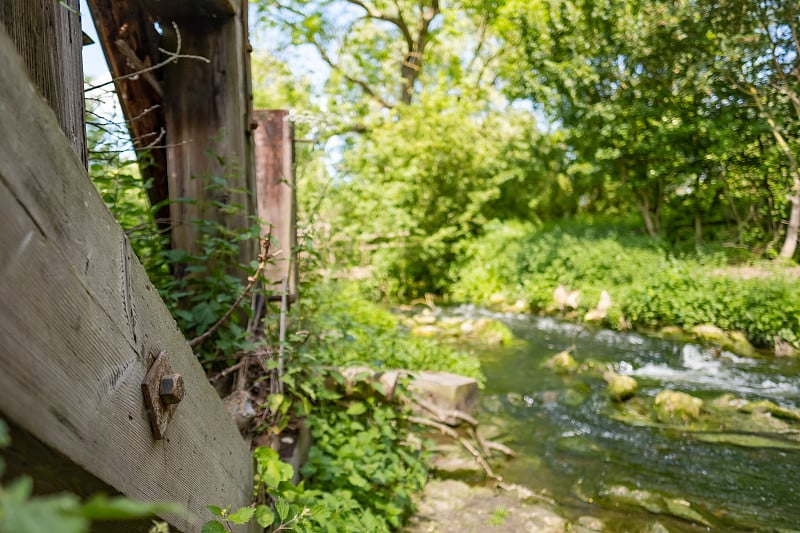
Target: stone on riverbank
[
  {"x": 482, "y": 330},
  {"x": 449, "y": 506},
  {"x": 448, "y": 392}
]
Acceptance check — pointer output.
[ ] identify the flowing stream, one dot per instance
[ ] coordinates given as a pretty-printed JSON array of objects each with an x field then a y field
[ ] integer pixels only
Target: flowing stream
[{"x": 572, "y": 451}]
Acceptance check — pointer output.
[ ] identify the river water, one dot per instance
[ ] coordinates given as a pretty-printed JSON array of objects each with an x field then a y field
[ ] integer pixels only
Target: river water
[{"x": 572, "y": 451}]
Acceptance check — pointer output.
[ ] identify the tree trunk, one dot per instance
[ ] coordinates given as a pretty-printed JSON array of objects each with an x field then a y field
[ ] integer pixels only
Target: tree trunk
[
  {"x": 793, "y": 230},
  {"x": 644, "y": 207}
]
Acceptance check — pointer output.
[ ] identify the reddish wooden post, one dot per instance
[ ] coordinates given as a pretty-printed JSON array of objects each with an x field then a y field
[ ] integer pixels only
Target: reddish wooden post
[{"x": 275, "y": 190}]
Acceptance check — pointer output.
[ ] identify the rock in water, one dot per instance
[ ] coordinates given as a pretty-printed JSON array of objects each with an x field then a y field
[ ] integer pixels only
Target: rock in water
[
  {"x": 671, "y": 405},
  {"x": 620, "y": 388},
  {"x": 562, "y": 363}
]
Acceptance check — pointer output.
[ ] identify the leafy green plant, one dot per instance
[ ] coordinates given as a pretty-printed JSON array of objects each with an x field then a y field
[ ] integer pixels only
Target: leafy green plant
[{"x": 649, "y": 286}]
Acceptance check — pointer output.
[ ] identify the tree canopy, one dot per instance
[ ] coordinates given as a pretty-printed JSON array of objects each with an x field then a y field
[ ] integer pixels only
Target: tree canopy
[{"x": 682, "y": 114}]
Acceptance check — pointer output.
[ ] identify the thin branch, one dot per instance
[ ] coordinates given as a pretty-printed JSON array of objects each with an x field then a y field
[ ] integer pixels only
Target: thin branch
[
  {"x": 361, "y": 83},
  {"x": 378, "y": 15},
  {"x": 171, "y": 58},
  {"x": 450, "y": 432},
  {"x": 444, "y": 414}
]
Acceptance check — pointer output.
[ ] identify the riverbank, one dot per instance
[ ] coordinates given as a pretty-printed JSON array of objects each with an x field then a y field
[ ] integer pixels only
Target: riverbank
[{"x": 615, "y": 278}]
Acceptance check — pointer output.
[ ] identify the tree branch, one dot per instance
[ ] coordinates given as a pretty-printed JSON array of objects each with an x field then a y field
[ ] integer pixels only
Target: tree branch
[{"x": 171, "y": 57}]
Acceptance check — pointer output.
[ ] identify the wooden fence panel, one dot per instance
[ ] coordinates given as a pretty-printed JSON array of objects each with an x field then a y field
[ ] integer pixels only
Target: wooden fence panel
[{"x": 78, "y": 322}]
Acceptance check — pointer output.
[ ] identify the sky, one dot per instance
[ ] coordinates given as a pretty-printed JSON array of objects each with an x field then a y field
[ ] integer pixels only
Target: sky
[{"x": 94, "y": 63}]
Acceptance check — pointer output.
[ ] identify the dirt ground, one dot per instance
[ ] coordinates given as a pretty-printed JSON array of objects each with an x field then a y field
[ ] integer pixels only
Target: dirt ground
[{"x": 449, "y": 506}]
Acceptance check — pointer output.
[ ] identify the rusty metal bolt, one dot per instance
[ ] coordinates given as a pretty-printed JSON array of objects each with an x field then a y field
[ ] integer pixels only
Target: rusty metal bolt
[{"x": 171, "y": 390}]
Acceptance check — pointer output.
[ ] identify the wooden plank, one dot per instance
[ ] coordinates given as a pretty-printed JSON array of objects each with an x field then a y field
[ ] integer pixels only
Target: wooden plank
[
  {"x": 275, "y": 190},
  {"x": 130, "y": 43},
  {"x": 207, "y": 114},
  {"x": 79, "y": 320},
  {"x": 206, "y": 9},
  {"x": 47, "y": 35}
]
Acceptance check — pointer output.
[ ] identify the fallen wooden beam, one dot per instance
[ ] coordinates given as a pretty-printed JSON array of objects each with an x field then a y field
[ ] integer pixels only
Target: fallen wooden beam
[{"x": 80, "y": 323}]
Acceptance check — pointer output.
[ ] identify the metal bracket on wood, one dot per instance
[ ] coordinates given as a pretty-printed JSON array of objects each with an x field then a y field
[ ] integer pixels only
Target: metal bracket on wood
[{"x": 162, "y": 391}]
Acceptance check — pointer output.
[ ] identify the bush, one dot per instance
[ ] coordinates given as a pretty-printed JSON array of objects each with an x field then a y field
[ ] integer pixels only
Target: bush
[{"x": 649, "y": 286}]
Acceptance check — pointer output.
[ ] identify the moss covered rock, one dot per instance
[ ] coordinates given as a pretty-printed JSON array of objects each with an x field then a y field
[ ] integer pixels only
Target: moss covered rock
[
  {"x": 733, "y": 341},
  {"x": 562, "y": 363},
  {"x": 620, "y": 388},
  {"x": 673, "y": 405},
  {"x": 654, "y": 502}
]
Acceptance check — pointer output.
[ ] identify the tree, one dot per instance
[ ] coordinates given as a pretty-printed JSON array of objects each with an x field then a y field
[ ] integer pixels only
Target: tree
[
  {"x": 764, "y": 65},
  {"x": 648, "y": 95}
]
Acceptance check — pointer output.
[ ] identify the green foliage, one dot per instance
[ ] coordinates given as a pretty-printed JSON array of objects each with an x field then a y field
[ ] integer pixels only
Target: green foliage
[
  {"x": 210, "y": 279},
  {"x": 673, "y": 110},
  {"x": 364, "y": 452},
  {"x": 22, "y": 512},
  {"x": 649, "y": 286},
  {"x": 356, "y": 332}
]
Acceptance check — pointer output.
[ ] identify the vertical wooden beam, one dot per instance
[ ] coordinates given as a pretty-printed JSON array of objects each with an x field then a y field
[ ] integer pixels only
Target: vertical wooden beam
[
  {"x": 47, "y": 35},
  {"x": 208, "y": 118},
  {"x": 130, "y": 43},
  {"x": 275, "y": 190}
]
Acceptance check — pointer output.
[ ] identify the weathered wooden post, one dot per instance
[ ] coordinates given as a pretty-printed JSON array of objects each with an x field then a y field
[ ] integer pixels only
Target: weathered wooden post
[
  {"x": 207, "y": 109},
  {"x": 80, "y": 328},
  {"x": 275, "y": 190}
]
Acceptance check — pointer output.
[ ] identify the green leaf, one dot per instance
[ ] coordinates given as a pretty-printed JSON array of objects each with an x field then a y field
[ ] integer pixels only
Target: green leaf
[
  {"x": 357, "y": 408},
  {"x": 243, "y": 515},
  {"x": 275, "y": 401},
  {"x": 217, "y": 511},
  {"x": 358, "y": 481},
  {"x": 101, "y": 507},
  {"x": 212, "y": 526},
  {"x": 282, "y": 506},
  {"x": 264, "y": 516},
  {"x": 19, "y": 514},
  {"x": 270, "y": 467}
]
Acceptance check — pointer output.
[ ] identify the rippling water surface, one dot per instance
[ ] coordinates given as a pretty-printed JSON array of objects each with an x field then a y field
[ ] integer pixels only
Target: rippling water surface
[{"x": 573, "y": 451}]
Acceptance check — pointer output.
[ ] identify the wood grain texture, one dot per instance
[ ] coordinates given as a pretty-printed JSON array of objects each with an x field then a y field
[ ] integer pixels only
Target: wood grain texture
[
  {"x": 79, "y": 320},
  {"x": 47, "y": 36},
  {"x": 275, "y": 190},
  {"x": 207, "y": 114}
]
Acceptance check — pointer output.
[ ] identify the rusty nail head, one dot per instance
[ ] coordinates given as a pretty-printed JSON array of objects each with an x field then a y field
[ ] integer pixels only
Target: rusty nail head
[{"x": 171, "y": 389}]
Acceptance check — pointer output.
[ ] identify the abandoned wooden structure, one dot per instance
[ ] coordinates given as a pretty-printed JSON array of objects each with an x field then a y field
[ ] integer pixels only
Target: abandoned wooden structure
[
  {"x": 191, "y": 115},
  {"x": 81, "y": 325}
]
